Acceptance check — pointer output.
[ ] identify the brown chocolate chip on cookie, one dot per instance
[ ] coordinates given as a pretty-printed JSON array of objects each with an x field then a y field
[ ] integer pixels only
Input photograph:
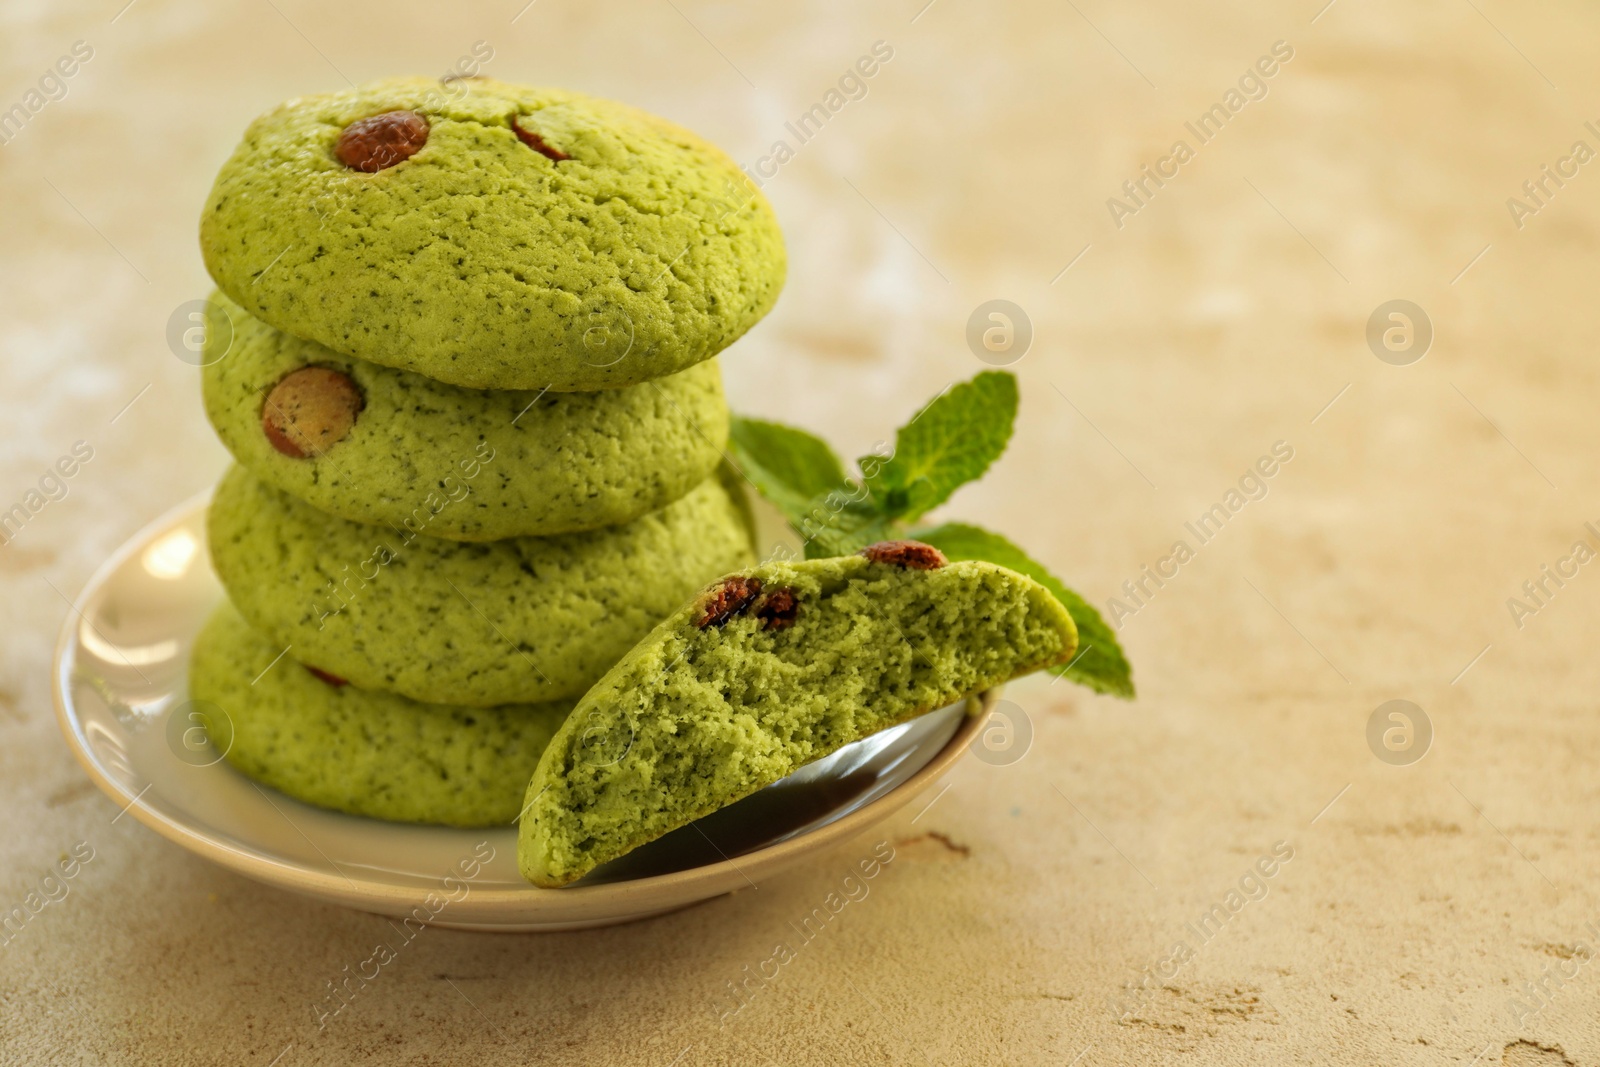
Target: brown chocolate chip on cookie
[
  {"x": 537, "y": 143},
  {"x": 332, "y": 679},
  {"x": 726, "y": 599},
  {"x": 310, "y": 410},
  {"x": 371, "y": 144},
  {"x": 777, "y": 610},
  {"x": 912, "y": 554}
]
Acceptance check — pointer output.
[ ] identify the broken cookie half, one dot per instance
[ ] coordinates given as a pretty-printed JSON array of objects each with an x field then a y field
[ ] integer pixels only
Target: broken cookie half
[{"x": 764, "y": 672}]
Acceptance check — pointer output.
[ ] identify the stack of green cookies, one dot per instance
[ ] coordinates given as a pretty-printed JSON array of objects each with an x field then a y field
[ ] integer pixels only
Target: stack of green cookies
[{"x": 463, "y": 352}]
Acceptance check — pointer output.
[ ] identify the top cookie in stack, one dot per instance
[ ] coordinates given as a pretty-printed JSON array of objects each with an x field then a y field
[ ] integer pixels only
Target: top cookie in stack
[{"x": 492, "y": 236}]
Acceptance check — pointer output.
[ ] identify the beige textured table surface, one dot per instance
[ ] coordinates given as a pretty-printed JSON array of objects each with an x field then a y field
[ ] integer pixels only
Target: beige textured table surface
[{"x": 1227, "y": 313}]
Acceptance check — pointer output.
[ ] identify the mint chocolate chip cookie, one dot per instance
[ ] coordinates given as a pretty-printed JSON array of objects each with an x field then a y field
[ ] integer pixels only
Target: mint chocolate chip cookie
[
  {"x": 520, "y": 620},
  {"x": 492, "y": 235},
  {"x": 764, "y": 672},
  {"x": 369, "y": 443},
  {"x": 330, "y": 744}
]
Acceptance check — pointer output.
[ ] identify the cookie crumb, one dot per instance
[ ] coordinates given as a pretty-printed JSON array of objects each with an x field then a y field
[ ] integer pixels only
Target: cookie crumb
[
  {"x": 310, "y": 410},
  {"x": 332, "y": 679},
  {"x": 911, "y": 554},
  {"x": 536, "y": 142},
  {"x": 376, "y": 143},
  {"x": 727, "y": 598},
  {"x": 777, "y": 610}
]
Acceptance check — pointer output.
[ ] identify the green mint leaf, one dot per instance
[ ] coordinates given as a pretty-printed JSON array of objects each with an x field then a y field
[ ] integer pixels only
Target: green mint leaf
[
  {"x": 841, "y": 522},
  {"x": 789, "y": 467},
  {"x": 1100, "y": 663},
  {"x": 950, "y": 442}
]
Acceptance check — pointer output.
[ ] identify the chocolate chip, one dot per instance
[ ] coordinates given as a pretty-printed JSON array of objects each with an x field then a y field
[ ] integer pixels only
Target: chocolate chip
[
  {"x": 913, "y": 554},
  {"x": 371, "y": 144},
  {"x": 537, "y": 143},
  {"x": 777, "y": 610},
  {"x": 726, "y": 599},
  {"x": 332, "y": 679},
  {"x": 310, "y": 410}
]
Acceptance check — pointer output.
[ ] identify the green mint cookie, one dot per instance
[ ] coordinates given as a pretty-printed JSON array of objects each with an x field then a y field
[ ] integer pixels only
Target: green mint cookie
[
  {"x": 492, "y": 235},
  {"x": 521, "y": 620},
  {"x": 766, "y": 671},
  {"x": 368, "y": 443},
  {"x": 356, "y": 750},
  {"x": 359, "y": 751}
]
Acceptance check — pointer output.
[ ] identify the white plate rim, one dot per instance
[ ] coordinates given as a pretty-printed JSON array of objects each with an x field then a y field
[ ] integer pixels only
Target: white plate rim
[{"x": 610, "y": 902}]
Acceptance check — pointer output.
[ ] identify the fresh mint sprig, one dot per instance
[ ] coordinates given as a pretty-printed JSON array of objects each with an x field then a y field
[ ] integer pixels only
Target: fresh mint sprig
[
  {"x": 950, "y": 442},
  {"x": 1099, "y": 663},
  {"x": 953, "y": 440}
]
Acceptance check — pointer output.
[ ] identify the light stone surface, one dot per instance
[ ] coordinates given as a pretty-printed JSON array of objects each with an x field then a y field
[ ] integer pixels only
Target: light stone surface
[{"x": 1223, "y": 316}]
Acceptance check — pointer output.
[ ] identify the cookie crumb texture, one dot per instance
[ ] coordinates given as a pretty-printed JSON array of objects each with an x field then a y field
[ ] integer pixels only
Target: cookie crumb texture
[
  {"x": 624, "y": 249},
  {"x": 708, "y": 715},
  {"x": 362, "y": 752},
  {"x": 520, "y": 620},
  {"x": 513, "y": 464}
]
